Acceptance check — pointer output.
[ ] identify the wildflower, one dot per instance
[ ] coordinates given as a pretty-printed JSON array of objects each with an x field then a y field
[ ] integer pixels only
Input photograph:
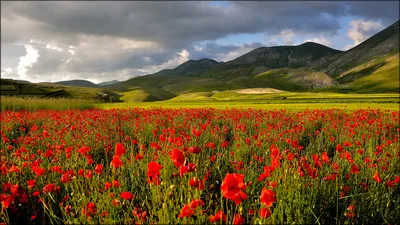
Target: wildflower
[
  {"x": 219, "y": 216},
  {"x": 127, "y": 195},
  {"x": 238, "y": 219},
  {"x": 376, "y": 178},
  {"x": 267, "y": 197},
  {"x": 177, "y": 157},
  {"x": 232, "y": 188},
  {"x": 186, "y": 211},
  {"x": 119, "y": 150},
  {"x": 265, "y": 213}
]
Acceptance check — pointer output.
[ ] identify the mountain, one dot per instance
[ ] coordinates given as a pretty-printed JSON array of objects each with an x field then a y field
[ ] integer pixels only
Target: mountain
[
  {"x": 309, "y": 54},
  {"x": 107, "y": 83},
  {"x": 377, "y": 46},
  {"x": 190, "y": 68},
  {"x": 77, "y": 83}
]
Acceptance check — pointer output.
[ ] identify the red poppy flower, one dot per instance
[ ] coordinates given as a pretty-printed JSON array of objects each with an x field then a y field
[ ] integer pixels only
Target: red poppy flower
[
  {"x": 48, "y": 188},
  {"x": 116, "y": 162},
  {"x": 232, "y": 188},
  {"x": 267, "y": 197},
  {"x": 119, "y": 149},
  {"x": 219, "y": 216},
  {"x": 197, "y": 183},
  {"x": 339, "y": 148},
  {"x": 127, "y": 195},
  {"x": 265, "y": 213},
  {"x": 354, "y": 169},
  {"x": 195, "y": 149},
  {"x": 115, "y": 183},
  {"x": 92, "y": 209},
  {"x": 377, "y": 178},
  {"x": 14, "y": 169},
  {"x": 186, "y": 211},
  {"x": 153, "y": 172},
  {"x": 99, "y": 169},
  {"x": 38, "y": 171},
  {"x": 238, "y": 219},
  {"x": 177, "y": 157},
  {"x": 325, "y": 157},
  {"x": 196, "y": 203},
  {"x": 31, "y": 183}
]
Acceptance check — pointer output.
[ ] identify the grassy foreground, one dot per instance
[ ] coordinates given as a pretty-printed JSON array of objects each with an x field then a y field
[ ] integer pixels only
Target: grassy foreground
[{"x": 33, "y": 104}]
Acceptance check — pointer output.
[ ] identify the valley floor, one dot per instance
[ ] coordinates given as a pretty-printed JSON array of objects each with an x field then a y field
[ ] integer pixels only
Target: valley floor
[{"x": 293, "y": 101}]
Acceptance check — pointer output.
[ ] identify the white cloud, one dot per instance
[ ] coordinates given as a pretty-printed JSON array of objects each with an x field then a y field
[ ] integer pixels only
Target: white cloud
[
  {"x": 287, "y": 36},
  {"x": 361, "y": 30},
  {"x": 53, "y": 47},
  {"x": 8, "y": 70},
  {"x": 320, "y": 40},
  {"x": 180, "y": 58},
  {"x": 27, "y": 61}
]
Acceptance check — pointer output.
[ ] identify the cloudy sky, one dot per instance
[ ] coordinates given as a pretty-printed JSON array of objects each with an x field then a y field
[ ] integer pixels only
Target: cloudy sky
[{"x": 102, "y": 41}]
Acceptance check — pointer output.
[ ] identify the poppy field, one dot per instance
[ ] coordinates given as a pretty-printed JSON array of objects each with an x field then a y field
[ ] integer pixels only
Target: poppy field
[{"x": 205, "y": 165}]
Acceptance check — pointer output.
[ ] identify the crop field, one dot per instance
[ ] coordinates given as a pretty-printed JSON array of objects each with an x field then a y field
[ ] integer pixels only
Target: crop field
[{"x": 201, "y": 165}]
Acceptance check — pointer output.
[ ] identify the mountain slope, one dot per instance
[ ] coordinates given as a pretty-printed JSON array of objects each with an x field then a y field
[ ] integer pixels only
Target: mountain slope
[
  {"x": 377, "y": 46},
  {"x": 107, "y": 83},
  {"x": 189, "y": 68},
  {"x": 299, "y": 79},
  {"x": 77, "y": 83}
]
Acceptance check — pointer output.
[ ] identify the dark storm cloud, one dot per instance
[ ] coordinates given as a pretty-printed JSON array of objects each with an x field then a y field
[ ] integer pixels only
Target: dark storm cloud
[{"x": 172, "y": 23}]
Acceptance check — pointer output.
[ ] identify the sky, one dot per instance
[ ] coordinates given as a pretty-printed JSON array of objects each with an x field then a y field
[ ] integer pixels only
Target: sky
[{"x": 102, "y": 41}]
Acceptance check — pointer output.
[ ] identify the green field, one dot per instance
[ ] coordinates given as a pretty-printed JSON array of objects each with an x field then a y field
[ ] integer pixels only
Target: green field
[
  {"x": 293, "y": 101},
  {"x": 220, "y": 100}
]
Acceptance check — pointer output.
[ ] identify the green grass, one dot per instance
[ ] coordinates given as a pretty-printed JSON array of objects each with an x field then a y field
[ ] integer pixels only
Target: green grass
[
  {"x": 376, "y": 76},
  {"x": 299, "y": 79},
  {"x": 389, "y": 103},
  {"x": 197, "y": 96},
  {"x": 33, "y": 104},
  {"x": 137, "y": 95},
  {"x": 384, "y": 79}
]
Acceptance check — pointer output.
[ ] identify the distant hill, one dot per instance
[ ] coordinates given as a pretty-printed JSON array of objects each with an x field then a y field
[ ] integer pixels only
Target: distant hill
[
  {"x": 77, "y": 83},
  {"x": 190, "y": 68},
  {"x": 107, "y": 83}
]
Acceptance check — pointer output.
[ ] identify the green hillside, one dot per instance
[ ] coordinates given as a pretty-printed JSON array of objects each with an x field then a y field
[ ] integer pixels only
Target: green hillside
[
  {"x": 376, "y": 76},
  {"x": 300, "y": 79}
]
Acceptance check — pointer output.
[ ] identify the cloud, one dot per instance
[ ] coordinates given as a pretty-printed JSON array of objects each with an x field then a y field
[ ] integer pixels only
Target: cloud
[
  {"x": 178, "y": 59},
  {"x": 219, "y": 52},
  {"x": 106, "y": 40},
  {"x": 360, "y": 30},
  {"x": 27, "y": 61},
  {"x": 320, "y": 40}
]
